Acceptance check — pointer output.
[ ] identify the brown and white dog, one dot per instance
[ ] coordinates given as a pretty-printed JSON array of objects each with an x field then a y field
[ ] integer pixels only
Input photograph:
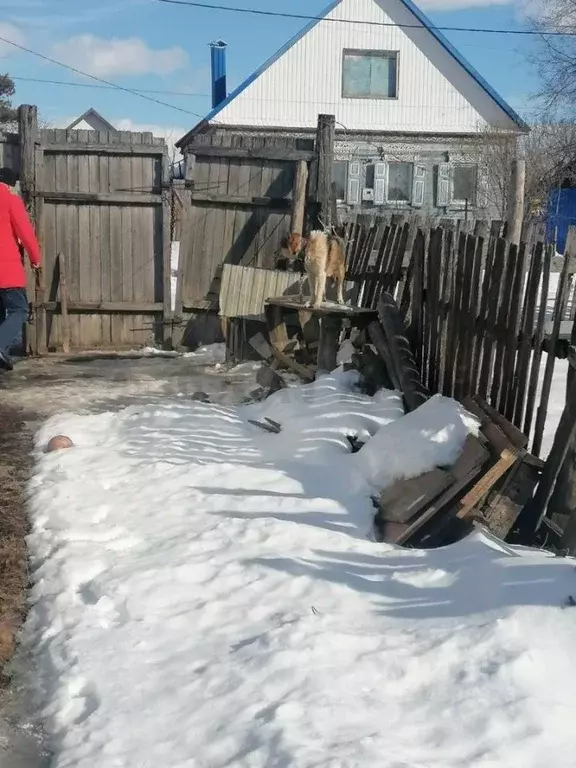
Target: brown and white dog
[{"x": 324, "y": 256}]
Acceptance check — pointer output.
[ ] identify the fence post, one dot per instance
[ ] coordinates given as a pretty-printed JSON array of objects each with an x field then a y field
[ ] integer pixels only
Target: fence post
[
  {"x": 324, "y": 151},
  {"x": 516, "y": 201},
  {"x": 299, "y": 198},
  {"x": 28, "y": 130}
]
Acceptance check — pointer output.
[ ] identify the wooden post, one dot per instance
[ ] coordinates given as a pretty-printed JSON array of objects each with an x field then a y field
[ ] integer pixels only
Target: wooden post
[
  {"x": 166, "y": 253},
  {"x": 178, "y": 327},
  {"x": 299, "y": 198},
  {"x": 324, "y": 151},
  {"x": 28, "y": 130},
  {"x": 65, "y": 319},
  {"x": 516, "y": 201},
  {"x": 330, "y": 329}
]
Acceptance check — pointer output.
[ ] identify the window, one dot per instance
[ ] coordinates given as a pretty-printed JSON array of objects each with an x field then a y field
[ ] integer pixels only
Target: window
[
  {"x": 339, "y": 179},
  {"x": 400, "y": 182},
  {"x": 369, "y": 75},
  {"x": 465, "y": 184}
]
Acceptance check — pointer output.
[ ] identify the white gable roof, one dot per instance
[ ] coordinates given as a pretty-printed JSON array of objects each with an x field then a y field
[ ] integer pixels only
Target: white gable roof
[{"x": 438, "y": 91}]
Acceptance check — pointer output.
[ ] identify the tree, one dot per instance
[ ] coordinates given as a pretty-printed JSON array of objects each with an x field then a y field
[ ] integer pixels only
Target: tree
[
  {"x": 550, "y": 154},
  {"x": 8, "y": 114},
  {"x": 554, "y": 58}
]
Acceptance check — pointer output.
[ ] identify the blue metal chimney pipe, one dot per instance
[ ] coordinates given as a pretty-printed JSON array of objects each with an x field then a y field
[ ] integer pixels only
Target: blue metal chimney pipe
[{"x": 218, "y": 57}]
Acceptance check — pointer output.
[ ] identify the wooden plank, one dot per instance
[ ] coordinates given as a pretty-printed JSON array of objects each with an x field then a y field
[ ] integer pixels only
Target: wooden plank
[
  {"x": 528, "y": 321},
  {"x": 95, "y": 307},
  {"x": 490, "y": 331},
  {"x": 504, "y": 506},
  {"x": 103, "y": 198},
  {"x": 165, "y": 255},
  {"x": 531, "y": 517},
  {"x": 299, "y": 197},
  {"x": 395, "y": 350},
  {"x": 65, "y": 323},
  {"x": 252, "y": 152},
  {"x": 485, "y": 484},
  {"x": 330, "y": 331},
  {"x": 404, "y": 499},
  {"x": 89, "y": 148},
  {"x": 453, "y": 342},
  {"x": 274, "y": 203},
  {"x": 513, "y": 434},
  {"x": 559, "y": 308},
  {"x": 465, "y": 471},
  {"x": 510, "y": 383},
  {"x": 481, "y": 318},
  {"x": 432, "y": 308},
  {"x": 537, "y": 343},
  {"x": 276, "y": 327}
]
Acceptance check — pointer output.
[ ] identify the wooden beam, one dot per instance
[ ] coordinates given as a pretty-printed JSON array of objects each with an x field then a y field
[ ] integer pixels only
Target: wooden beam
[
  {"x": 258, "y": 153},
  {"x": 281, "y": 203},
  {"x": 28, "y": 129},
  {"x": 516, "y": 202},
  {"x": 325, "y": 134},
  {"x": 146, "y": 150},
  {"x": 166, "y": 253},
  {"x": 104, "y": 306},
  {"x": 64, "y": 303},
  {"x": 105, "y": 198},
  {"x": 299, "y": 198},
  {"x": 330, "y": 330}
]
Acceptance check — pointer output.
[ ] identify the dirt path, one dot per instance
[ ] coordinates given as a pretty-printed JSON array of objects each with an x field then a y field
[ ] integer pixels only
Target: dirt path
[{"x": 36, "y": 390}]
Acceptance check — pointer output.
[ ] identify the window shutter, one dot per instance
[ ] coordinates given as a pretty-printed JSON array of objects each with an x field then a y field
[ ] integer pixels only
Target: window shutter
[
  {"x": 380, "y": 180},
  {"x": 418, "y": 186},
  {"x": 444, "y": 186},
  {"x": 353, "y": 197}
]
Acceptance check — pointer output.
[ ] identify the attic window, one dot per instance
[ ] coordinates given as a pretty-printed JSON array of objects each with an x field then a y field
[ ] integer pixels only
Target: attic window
[{"x": 369, "y": 74}]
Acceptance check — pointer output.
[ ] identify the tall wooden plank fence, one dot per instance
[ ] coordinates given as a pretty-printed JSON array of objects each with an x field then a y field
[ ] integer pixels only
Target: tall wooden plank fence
[{"x": 101, "y": 202}]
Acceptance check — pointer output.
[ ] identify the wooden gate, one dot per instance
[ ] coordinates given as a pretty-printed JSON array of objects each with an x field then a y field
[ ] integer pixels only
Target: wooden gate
[
  {"x": 238, "y": 201},
  {"x": 101, "y": 200}
]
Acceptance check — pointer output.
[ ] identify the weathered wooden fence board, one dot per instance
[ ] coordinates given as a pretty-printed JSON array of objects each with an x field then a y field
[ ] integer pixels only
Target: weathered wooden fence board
[
  {"x": 101, "y": 199},
  {"x": 238, "y": 208}
]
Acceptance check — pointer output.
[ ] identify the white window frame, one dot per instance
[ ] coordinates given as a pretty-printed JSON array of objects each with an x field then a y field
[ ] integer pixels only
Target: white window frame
[
  {"x": 371, "y": 52},
  {"x": 400, "y": 203}
]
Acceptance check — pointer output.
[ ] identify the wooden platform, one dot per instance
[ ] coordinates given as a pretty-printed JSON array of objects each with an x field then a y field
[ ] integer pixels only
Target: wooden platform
[
  {"x": 328, "y": 309},
  {"x": 330, "y": 316}
]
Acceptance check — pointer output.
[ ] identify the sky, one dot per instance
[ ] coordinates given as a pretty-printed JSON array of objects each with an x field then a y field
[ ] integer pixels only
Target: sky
[{"x": 146, "y": 44}]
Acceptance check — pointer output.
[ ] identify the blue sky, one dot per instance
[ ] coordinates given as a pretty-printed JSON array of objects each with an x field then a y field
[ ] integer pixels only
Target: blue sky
[{"x": 149, "y": 45}]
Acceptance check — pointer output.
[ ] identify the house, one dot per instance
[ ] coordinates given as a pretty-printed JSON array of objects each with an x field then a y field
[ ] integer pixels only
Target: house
[
  {"x": 411, "y": 113},
  {"x": 91, "y": 121}
]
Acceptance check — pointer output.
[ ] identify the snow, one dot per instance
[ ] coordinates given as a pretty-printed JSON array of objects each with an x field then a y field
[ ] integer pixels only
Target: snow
[{"x": 207, "y": 594}]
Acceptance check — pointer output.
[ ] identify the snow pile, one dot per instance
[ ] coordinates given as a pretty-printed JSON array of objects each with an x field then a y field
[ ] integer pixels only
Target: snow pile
[{"x": 205, "y": 595}]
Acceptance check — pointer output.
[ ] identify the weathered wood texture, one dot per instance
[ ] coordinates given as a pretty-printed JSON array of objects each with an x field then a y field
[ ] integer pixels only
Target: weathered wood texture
[
  {"x": 98, "y": 199},
  {"x": 476, "y": 310},
  {"x": 239, "y": 208}
]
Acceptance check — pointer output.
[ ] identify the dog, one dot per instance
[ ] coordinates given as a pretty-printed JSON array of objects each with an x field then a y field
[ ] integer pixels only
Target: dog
[{"x": 324, "y": 257}]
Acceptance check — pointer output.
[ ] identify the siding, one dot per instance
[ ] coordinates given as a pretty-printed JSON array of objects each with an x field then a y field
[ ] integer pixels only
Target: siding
[{"x": 435, "y": 94}]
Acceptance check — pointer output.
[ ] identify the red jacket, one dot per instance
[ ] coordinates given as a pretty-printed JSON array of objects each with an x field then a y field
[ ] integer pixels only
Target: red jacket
[{"x": 15, "y": 226}]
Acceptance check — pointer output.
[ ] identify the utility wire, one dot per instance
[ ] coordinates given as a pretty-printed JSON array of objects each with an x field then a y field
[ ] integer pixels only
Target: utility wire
[
  {"x": 207, "y": 95},
  {"x": 100, "y": 79},
  {"x": 301, "y": 16}
]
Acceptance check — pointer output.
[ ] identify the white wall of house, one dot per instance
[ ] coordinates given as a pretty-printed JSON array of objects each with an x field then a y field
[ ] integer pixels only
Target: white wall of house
[{"x": 433, "y": 94}]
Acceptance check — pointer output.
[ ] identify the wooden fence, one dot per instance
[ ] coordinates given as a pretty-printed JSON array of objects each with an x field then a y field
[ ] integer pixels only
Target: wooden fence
[
  {"x": 481, "y": 313},
  {"x": 100, "y": 200},
  {"x": 238, "y": 201}
]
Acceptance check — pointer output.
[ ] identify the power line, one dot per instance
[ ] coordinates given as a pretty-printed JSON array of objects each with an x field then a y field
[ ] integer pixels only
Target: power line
[
  {"x": 100, "y": 79},
  {"x": 304, "y": 17},
  {"x": 207, "y": 95}
]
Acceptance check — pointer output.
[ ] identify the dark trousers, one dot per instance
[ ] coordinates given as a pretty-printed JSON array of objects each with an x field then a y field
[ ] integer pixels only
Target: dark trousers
[{"x": 14, "y": 310}]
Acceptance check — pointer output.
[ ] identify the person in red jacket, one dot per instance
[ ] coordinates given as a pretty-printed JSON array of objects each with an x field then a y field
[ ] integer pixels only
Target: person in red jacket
[{"x": 15, "y": 228}]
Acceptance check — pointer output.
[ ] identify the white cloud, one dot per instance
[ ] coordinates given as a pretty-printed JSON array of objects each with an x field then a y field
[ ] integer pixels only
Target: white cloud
[
  {"x": 453, "y": 5},
  {"x": 116, "y": 56},
  {"x": 12, "y": 33}
]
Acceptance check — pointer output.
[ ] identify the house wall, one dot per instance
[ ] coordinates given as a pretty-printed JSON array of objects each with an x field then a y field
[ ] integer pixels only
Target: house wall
[
  {"x": 430, "y": 153},
  {"x": 435, "y": 92}
]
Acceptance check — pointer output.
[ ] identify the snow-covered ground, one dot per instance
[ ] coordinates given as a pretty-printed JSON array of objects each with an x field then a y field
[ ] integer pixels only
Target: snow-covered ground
[{"x": 207, "y": 594}]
